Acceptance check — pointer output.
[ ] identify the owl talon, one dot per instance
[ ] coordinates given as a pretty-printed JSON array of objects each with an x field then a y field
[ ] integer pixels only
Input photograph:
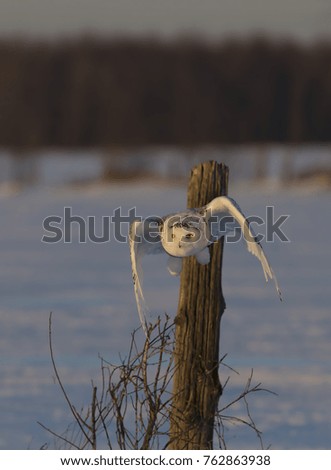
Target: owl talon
[{"x": 174, "y": 265}]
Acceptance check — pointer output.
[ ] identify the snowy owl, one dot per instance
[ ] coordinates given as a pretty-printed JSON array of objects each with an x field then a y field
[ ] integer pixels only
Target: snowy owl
[{"x": 189, "y": 233}]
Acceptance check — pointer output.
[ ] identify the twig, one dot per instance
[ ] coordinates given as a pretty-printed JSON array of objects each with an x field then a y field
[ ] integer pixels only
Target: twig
[{"x": 71, "y": 407}]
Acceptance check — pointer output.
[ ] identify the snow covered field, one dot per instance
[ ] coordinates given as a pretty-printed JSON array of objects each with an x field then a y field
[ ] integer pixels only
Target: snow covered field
[{"x": 88, "y": 288}]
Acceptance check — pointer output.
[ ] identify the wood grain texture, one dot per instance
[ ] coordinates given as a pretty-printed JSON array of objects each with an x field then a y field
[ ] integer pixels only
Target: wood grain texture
[{"x": 197, "y": 388}]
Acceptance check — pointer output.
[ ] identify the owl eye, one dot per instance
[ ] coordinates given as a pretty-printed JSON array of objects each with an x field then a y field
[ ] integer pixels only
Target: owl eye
[
  {"x": 173, "y": 235},
  {"x": 189, "y": 235}
]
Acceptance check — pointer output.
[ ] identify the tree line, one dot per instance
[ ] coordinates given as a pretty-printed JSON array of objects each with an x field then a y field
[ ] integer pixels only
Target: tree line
[{"x": 99, "y": 92}]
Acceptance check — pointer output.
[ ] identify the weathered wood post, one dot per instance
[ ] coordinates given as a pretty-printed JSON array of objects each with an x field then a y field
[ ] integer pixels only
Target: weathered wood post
[{"x": 197, "y": 389}]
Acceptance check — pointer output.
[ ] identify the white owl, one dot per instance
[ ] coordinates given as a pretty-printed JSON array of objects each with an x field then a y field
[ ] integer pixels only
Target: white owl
[{"x": 189, "y": 233}]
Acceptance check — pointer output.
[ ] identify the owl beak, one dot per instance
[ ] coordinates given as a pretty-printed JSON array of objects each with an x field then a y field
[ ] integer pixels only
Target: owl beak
[{"x": 181, "y": 242}]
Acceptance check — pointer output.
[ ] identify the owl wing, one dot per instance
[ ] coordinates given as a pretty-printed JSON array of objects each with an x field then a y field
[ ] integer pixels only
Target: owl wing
[
  {"x": 218, "y": 212},
  {"x": 143, "y": 241}
]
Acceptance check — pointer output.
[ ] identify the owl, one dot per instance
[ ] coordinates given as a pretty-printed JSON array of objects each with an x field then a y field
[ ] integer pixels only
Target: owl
[{"x": 189, "y": 233}]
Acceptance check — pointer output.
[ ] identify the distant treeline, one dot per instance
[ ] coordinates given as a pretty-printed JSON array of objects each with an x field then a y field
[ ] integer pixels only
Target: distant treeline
[{"x": 96, "y": 92}]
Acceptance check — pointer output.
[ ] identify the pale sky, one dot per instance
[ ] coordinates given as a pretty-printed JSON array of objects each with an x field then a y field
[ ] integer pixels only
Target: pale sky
[{"x": 300, "y": 19}]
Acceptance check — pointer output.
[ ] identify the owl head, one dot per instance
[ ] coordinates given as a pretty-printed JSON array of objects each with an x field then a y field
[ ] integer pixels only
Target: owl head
[{"x": 185, "y": 234}]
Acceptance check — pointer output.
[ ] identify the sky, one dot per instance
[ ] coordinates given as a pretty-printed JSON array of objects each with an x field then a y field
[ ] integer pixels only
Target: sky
[{"x": 305, "y": 20}]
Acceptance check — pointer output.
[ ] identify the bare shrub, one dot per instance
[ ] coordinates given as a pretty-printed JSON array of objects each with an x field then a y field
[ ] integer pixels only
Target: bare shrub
[{"x": 131, "y": 407}]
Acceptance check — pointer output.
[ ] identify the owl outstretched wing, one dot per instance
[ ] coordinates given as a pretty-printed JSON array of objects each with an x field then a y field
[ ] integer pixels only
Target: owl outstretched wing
[
  {"x": 219, "y": 213},
  {"x": 144, "y": 240}
]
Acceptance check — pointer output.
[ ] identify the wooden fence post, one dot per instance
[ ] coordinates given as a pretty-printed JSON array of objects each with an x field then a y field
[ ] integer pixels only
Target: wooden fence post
[{"x": 196, "y": 388}]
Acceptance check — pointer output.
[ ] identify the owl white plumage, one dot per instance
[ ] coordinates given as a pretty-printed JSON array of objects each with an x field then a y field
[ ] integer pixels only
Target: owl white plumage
[{"x": 189, "y": 233}]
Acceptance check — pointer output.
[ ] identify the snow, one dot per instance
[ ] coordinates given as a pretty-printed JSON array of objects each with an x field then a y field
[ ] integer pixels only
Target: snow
[{"x": 88, "y": 288}]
